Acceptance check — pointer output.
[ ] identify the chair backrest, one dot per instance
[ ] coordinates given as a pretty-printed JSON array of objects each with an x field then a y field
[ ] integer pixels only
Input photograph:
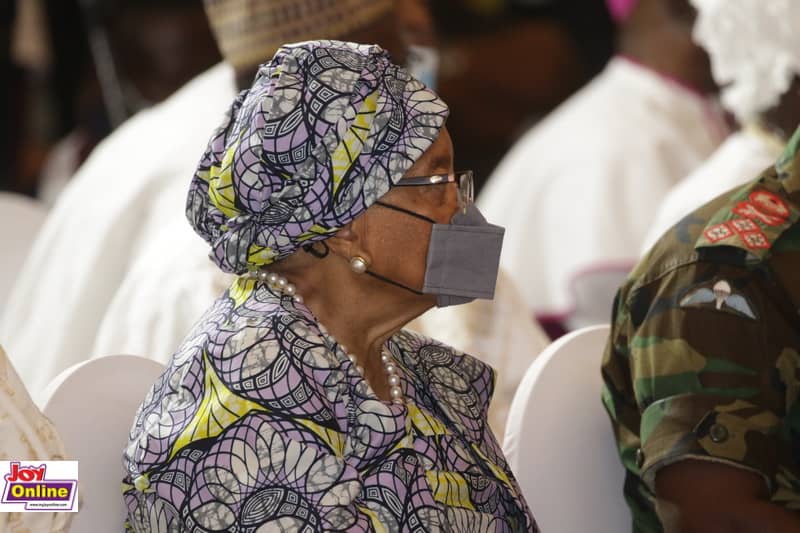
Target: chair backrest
[
  {"x": 559, "y": 441},
  {"x": 92, "y": 404},
  {"x": 20, "y": 220}
]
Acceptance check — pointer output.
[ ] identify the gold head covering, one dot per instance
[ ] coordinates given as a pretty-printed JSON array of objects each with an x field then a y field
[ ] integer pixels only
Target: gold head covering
[{"x": 249, "y": 32}]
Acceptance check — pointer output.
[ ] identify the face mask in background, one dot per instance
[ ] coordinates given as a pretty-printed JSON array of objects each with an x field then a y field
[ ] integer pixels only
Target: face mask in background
[{"x": 423, "y": 64}]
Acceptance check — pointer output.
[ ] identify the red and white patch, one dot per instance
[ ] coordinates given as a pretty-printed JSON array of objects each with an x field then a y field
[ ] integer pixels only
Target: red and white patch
[
  {"x": 770, "y": 203},
  {"x": 748, "y": 210},
  {"x": 743, "y": 225},
  {"x": 756, "y": 241},
  {"x": 718, "y": 232}
]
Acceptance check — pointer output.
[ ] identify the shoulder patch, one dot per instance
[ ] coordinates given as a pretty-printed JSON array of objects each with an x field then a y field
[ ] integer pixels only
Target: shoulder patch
[
  {"x": 754, "y": 218},
  {"x": 719, "y": 296}
]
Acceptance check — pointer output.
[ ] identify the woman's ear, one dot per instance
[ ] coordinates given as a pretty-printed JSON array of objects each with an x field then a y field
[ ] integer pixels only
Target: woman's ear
[
  {"x": 349, "y": 241},
  {"x": 346, "y": 233}
]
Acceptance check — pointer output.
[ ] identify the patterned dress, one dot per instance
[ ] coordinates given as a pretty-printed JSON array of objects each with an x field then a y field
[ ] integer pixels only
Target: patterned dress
[{"x": 261, "y": 423}]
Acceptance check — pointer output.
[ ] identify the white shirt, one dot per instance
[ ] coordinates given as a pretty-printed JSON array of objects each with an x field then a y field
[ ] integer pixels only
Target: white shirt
[
  {"x": 106, "y": 216},
  {"x": 738, "y": 160},
  {"x": 578, "y": 192}
]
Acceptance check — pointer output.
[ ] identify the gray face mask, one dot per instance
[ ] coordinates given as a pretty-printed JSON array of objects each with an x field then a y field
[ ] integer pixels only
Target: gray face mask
[{"x": 463, "y": 258}]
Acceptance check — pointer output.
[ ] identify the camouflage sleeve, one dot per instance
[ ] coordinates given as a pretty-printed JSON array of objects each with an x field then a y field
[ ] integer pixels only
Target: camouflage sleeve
[
  {"x": 700, "y": 346},
  {"x": 618, "y": 392},
  {"x": 619, "y": 401}
]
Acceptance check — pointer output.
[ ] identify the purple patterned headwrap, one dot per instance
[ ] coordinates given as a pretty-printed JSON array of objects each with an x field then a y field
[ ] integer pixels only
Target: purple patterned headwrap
[{"x": 326, "y": 129}]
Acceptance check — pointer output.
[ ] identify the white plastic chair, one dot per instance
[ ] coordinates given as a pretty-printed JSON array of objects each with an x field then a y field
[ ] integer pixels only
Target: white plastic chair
[
  {"x": 20, "y": 220},
  {"x": 92, "y": 404},
  {"x": 559, "y": 442}
]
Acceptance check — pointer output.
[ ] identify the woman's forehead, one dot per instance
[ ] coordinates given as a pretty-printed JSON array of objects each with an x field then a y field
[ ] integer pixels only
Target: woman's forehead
[{"x": 437, "y": 159}]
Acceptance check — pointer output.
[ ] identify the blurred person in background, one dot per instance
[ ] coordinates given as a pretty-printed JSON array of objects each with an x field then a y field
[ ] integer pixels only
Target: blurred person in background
[
  {"x": 73, "y": 71},
  {"x": 9, "y": 127},
  {"x": 507, "y": 63},
  {"x": 755, "y": 58},
  {"x": 25, "y": 60},
  {"x": 578, "y": 192},
  {"x": 142, "y": 52}
]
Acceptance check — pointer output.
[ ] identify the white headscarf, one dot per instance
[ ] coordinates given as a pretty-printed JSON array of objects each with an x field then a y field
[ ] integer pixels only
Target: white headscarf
[{"x": 755, "y": 50}]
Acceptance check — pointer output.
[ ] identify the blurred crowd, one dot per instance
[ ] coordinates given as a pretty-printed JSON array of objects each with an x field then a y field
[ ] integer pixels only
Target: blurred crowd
[{"x": 76, "y": 69}]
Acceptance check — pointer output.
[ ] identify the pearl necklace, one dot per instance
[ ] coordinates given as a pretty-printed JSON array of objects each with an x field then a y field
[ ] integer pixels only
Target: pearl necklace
[
  {"x": 277, "y": 283},
  {"x": 389, "y": 368},
  {"x": 281, "y": 285}
]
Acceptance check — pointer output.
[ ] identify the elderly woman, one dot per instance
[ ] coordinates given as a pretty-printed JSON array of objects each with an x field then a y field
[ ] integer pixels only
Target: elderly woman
[{"x": 297, "y": 403}]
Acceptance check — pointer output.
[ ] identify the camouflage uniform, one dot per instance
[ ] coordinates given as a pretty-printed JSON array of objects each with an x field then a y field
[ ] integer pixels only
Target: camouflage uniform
[{"x": 703, "y": 360}]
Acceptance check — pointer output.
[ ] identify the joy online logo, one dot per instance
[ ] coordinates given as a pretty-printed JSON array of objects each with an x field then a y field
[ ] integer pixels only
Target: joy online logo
[{"x": 28, "y": 485}]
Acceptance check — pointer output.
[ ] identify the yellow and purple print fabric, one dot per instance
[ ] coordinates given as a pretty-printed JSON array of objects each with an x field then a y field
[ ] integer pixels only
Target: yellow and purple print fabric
[
  {"x": 326, "y": 129},
  {"x": 262, "y": 423}
]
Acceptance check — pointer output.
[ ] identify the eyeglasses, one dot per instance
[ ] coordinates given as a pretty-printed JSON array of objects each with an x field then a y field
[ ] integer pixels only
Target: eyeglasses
[{"x": 463, "y": 178}]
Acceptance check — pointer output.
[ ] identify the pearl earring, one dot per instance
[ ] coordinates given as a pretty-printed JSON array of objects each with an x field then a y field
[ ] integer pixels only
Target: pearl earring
[{"x": 358, "y": 264}]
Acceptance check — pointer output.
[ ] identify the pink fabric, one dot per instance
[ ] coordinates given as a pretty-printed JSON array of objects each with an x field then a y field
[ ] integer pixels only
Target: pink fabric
[{"x": 621, "y": 9}]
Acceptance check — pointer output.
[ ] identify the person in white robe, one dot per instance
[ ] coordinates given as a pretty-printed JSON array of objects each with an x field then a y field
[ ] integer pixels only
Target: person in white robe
[
  {"x": 140, "y": 278},
  {"x": 99, "y": 225},
  {"x": 755, "y": 56},
  {"x": 578, "y": 192}
]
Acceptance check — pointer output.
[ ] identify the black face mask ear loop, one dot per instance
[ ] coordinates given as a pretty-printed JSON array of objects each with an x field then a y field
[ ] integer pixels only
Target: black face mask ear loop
[
  {"x": 311, "y": 249},
  {"x": 415, "y": 215},
  {"x": 406, "y": 211},
  {"x": 392, "y": 282}
]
